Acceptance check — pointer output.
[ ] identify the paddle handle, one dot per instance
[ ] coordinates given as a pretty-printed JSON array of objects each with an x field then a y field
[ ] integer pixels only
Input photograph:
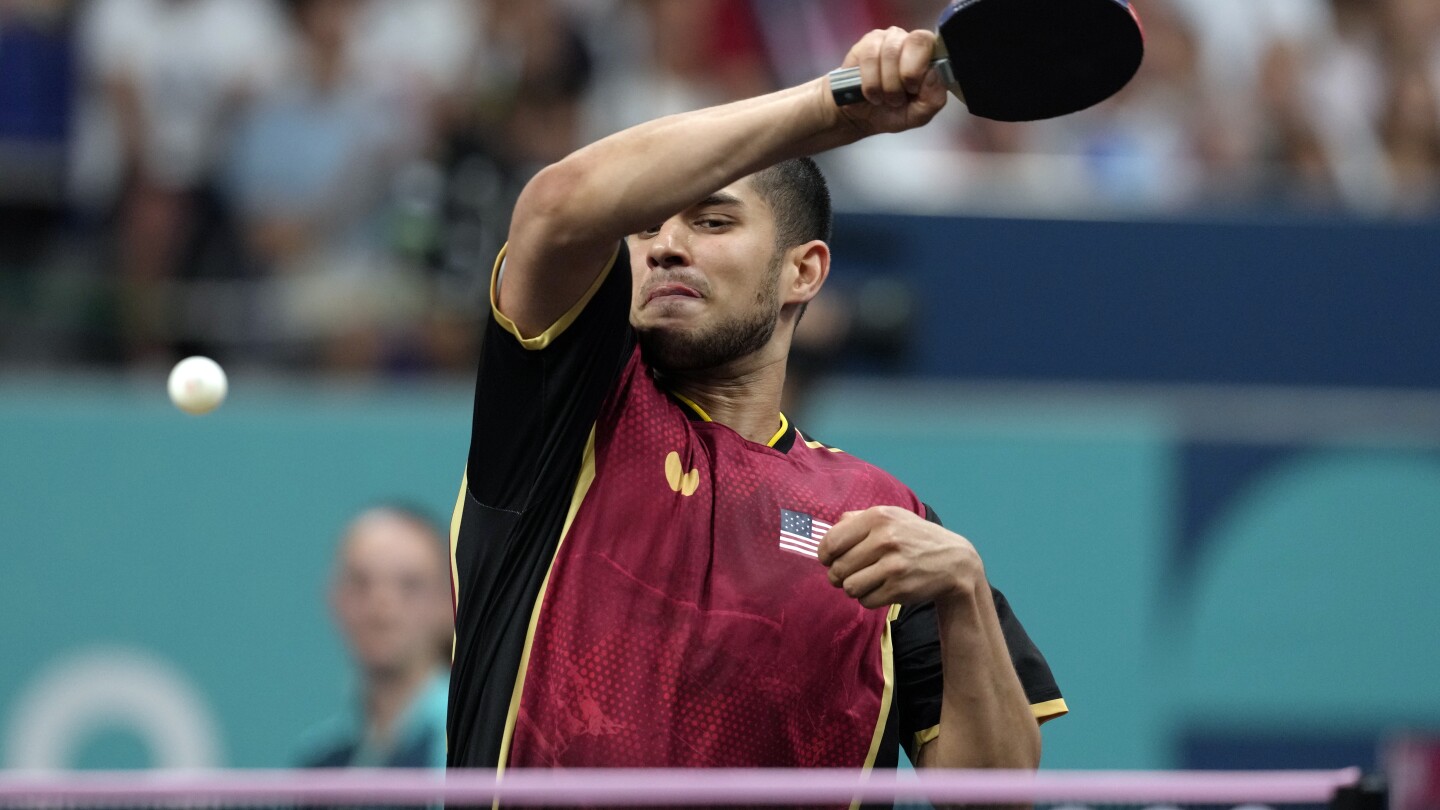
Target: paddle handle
[{"x": 845, "y": 82}]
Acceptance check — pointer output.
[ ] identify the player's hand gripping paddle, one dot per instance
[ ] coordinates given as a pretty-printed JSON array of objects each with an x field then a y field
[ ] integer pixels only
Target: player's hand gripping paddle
[{"x": 1023, "y": 60}]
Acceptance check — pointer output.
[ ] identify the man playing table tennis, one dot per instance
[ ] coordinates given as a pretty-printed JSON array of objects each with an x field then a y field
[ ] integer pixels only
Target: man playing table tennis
[{"x": 652, "y": 566}]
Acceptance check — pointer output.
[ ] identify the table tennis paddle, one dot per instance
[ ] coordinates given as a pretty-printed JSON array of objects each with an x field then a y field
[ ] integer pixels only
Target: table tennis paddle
[{"x": 1024, "y": 60}]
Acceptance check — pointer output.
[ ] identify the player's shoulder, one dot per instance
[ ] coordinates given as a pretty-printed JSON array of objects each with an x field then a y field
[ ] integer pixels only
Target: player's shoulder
[
  {"x": 830, "y": 460},
  {"x": 828, "y": 456},
  {"x": 804, "y": 442}
]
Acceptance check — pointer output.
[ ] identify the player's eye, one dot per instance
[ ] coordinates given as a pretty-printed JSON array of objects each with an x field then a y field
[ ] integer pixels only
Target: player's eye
[
  {"x": 712, "y": 223},
  {"x": 651, "y": 231}
]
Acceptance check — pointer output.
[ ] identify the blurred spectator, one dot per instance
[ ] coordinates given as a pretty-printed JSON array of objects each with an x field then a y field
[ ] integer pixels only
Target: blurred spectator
[
  {"x": 36, "y": 93},
  {"x": 390, "y": 599},
  {"x": 1409, "y": 122},
  {"x": 1336, "y": 85},
  {"x": 1141, "y": 150},
  {"x": 516, "y": 108},
  {"x": 520, "y": 98},
  {"x": 662, "y": 57},
  {"x": 418, "y": 49},
  {"x": 168, "y": 78},
  {"x": 324, "y": 183},
  {"x": 1288, "y": 137},
  {"x": 312, "y": 171},
  {"x": 807, "y": 38},
  {"x": 1235, "y": 37},
  {"x": 1410, "y": 132}
]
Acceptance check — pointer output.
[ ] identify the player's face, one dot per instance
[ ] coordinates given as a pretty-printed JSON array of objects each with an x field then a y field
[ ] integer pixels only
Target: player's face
[
  {"x": 391, "y": 595},
  {"x": 706, "y": 282}
]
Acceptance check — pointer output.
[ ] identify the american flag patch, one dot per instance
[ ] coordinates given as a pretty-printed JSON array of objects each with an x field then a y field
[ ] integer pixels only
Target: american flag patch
[{"x": 800, "y": 533}]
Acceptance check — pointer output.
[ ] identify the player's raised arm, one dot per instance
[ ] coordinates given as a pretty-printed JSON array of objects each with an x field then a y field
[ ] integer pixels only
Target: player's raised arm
[{"x": 570, "y": 216}]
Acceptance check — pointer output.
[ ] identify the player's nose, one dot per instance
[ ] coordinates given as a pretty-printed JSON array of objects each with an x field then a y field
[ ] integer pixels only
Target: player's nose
[{"x": 668, "y": 248}]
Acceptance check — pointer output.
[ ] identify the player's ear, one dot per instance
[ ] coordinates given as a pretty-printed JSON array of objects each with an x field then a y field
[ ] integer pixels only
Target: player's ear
[{"x": 809, "y": 266}]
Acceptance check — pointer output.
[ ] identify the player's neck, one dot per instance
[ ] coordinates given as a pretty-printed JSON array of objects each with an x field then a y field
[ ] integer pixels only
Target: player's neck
[{"x": 744, "y": 399}]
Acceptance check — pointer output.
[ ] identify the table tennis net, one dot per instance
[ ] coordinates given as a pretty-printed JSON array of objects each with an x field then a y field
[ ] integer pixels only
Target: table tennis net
[{"x": 362, "y": 788}]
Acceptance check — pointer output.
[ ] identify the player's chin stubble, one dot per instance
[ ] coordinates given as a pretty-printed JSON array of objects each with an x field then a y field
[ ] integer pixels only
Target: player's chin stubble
[{"x": 676, "y": 350}]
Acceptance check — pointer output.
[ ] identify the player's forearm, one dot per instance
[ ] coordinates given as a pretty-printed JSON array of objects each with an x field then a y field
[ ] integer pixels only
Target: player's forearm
[
  {"x": 985, "y": 718},
  {"x": 635, "y": 178}
]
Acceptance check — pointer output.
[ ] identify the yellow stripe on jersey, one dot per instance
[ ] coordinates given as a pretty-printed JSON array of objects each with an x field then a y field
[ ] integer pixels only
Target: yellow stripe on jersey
[
  {"x": 454, "y": 543},
  {"x": 923, "y": 737},
  {"x": 699, "y": 411},
  {"x": 582, "y": 486},
  {"x": 887, "y": 666},
  {"x": 1049, "y": 710},
  {"x": 1046, "y": 710},
  {"x": 779, "y": 434},
  {"x": 705, "y": 417},
  {"x": 545, "y": 338},
  {"x": 455, "y": 569}
]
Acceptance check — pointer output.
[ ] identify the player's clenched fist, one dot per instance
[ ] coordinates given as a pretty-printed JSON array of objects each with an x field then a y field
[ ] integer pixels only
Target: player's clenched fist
[
  {"x": 886, "y": 555},
  {"x": 902, "y": 90}
]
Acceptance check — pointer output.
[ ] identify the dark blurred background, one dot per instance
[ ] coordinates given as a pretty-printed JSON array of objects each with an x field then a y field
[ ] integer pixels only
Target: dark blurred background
[{"x": 320, "y": 185}]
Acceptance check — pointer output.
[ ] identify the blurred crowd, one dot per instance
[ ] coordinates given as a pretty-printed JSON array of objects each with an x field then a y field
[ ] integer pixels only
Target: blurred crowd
[{"x": 323, "y": 184}]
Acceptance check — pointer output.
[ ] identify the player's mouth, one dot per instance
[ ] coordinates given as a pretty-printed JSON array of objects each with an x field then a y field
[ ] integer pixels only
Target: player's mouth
[{"x": 671, "y": 289}]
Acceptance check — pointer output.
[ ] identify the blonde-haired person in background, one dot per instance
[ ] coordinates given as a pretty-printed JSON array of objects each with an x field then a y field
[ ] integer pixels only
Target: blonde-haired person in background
[{"x": 390, "y": 596}]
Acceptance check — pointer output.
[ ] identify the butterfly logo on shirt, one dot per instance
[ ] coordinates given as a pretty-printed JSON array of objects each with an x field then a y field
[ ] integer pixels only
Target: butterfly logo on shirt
[{"x": 680, "y": 481}]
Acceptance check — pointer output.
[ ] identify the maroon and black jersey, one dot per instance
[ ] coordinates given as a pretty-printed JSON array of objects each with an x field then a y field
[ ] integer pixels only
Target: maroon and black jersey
[{"x": 637, "y": 586}]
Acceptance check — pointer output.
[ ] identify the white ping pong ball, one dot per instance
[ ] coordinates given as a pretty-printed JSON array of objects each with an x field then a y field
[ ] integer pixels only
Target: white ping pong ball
[{"x": 197, "y": 385}]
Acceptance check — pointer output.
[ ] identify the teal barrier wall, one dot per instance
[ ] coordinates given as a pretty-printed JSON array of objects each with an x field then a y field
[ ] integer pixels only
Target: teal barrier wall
[
  {"x": 202, "y": 544},
  {"x": 161, "y": 598}
]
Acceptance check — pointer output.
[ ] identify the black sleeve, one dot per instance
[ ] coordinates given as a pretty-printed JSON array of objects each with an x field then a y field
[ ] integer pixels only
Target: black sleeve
[
  {"x": 918, "y": 676},
  {"x": 536, "y": 400}
]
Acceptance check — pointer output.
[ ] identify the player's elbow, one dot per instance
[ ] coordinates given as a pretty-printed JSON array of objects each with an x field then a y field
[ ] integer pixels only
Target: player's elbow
[
  {"x": 1019, "y": 751},
  {"x": 1030, "y": 749},
  {"x": 565, "y": 203},
  {"x": 545, "y": 201},
  {"x": 1022, "y": 748}
]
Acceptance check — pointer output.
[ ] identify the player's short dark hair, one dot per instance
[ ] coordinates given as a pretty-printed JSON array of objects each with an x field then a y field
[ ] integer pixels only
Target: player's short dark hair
[{"x": 798, "y": 195}]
